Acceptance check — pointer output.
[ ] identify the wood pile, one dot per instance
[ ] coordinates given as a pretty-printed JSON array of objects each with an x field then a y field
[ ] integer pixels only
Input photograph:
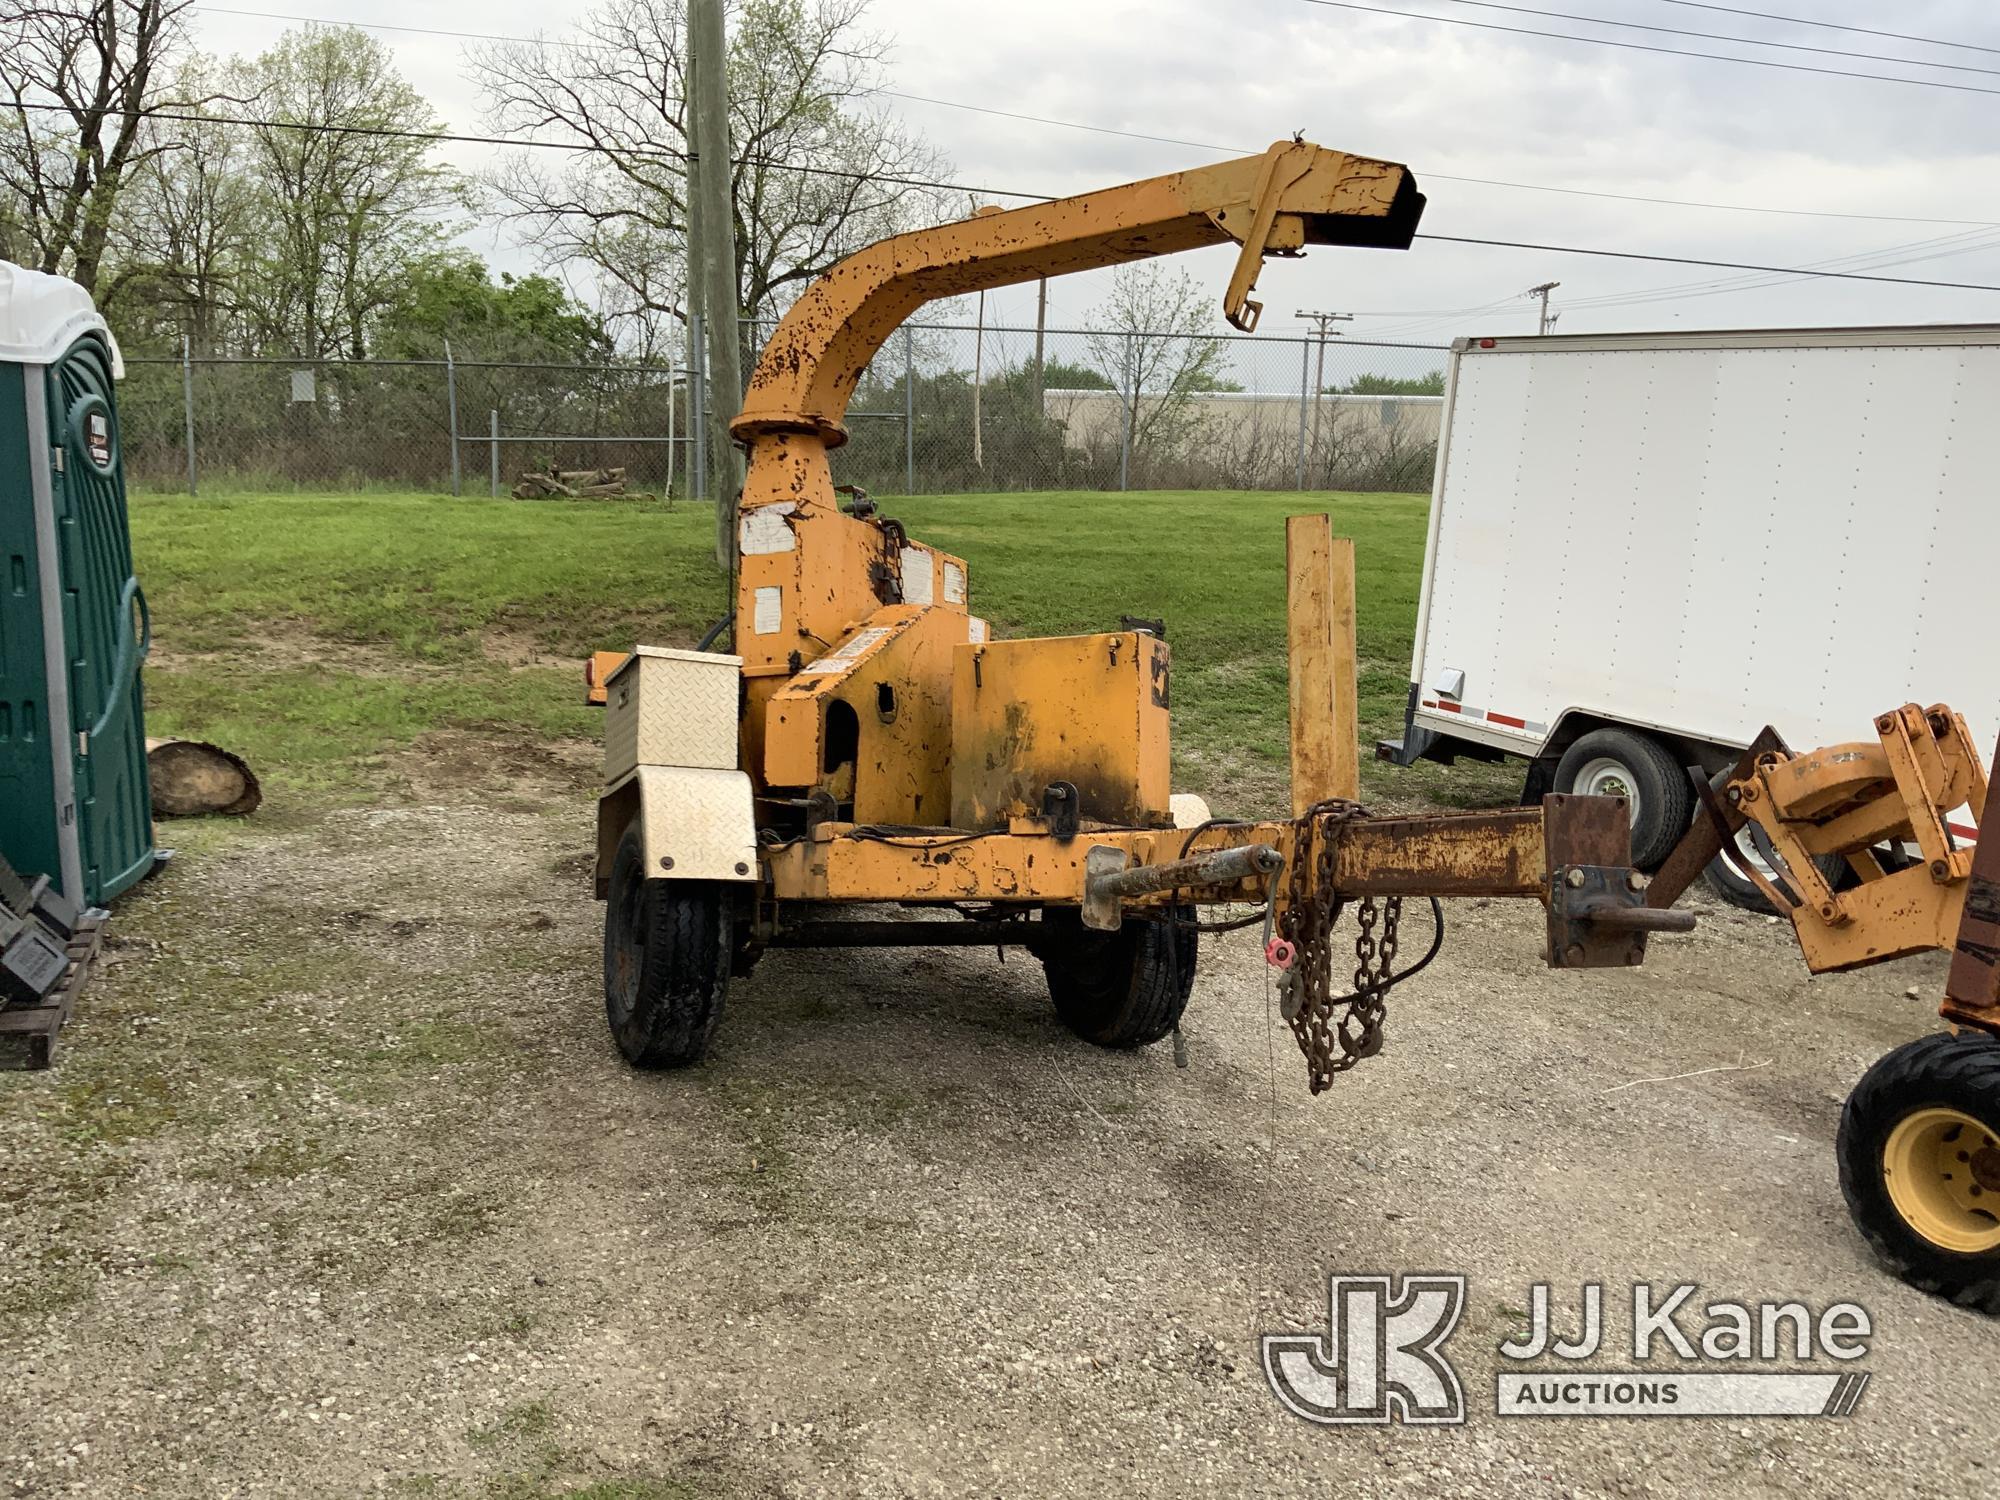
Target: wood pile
[{"x": 575, "y": 484}]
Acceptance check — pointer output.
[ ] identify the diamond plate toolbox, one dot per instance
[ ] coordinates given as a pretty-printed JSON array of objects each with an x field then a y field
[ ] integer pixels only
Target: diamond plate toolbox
[{"x": 671, "y": 708}]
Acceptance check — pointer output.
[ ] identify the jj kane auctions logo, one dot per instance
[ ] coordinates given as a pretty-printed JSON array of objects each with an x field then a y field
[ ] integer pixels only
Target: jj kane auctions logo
[{"x": 1382, "y": 1358}]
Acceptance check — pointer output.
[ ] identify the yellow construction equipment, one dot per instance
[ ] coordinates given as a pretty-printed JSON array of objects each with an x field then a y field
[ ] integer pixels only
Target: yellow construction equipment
[
  {"x": 1919, "y": 1142},
  {"x": 869, "y": 740}
]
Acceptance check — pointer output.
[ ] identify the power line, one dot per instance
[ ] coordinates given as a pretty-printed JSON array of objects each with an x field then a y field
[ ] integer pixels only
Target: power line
[
  {"x": 1137, "y": 135},
  {"x": 1726, "y": 265},
  {"x": 1736, "y": 208},
  {"x": 1765, "y": 15},
  {"x": 1893, "y": 255},
  {"x": 1718, "y": 36},
  {"x": 442, "y": 136},
  {"x": 584, "y": 46},
  {"x": 1599, "y": 41}
]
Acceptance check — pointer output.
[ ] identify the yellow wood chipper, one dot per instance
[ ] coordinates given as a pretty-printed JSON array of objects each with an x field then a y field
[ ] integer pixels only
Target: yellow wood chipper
[{"x": 869, "y": 741}]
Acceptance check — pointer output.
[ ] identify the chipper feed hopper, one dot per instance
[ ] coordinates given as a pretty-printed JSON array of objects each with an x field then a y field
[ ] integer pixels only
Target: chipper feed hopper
[{"x": 870, "y": 743}]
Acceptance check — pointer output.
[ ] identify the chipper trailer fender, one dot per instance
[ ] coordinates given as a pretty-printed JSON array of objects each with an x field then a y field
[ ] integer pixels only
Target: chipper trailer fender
[
  {"x": 1865, "y": 863},
  {"x": 870, "y": 742}
]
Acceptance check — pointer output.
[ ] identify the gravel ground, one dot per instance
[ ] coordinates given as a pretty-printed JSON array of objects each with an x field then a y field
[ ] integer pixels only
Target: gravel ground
[{"x": 340, "y": 1189}]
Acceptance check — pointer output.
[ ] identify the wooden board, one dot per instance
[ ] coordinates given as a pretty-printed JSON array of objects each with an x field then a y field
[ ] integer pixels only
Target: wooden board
[{"x": 1319, "y": 612}]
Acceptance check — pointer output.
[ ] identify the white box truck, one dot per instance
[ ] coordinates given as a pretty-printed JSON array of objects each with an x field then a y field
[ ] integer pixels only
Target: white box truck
[{"x": 1643, "y": 548}]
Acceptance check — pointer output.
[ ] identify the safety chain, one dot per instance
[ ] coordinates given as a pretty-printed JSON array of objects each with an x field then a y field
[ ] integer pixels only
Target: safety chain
[{"x": 1333, "y": 1039}]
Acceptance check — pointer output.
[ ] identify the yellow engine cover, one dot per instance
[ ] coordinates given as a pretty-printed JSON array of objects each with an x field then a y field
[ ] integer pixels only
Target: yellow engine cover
[{"x": 1087, "y": 709}]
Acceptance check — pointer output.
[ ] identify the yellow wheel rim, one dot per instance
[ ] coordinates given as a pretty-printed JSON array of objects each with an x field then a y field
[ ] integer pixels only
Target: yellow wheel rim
[{"x": 1942, "y": 1168}]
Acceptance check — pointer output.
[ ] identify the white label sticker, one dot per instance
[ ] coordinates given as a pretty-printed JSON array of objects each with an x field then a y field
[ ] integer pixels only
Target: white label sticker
[
  {"x": 954, "y": 583},
  {"x": 770, "y": 610},
  {"x": 766, "y": 530},
  {"x": 916, "y": 576},
  {"x": 849, "y": 651},
  {"x": 975, "y": 629}
]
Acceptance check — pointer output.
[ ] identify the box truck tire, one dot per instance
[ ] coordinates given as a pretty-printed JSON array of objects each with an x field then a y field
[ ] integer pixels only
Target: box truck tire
[
  {"x": 1728, "y": 883},
  {"x": 1625, "y": 763}
]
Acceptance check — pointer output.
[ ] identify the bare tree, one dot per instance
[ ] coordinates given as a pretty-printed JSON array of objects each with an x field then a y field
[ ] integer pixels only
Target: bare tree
[
  {"x": 82, "y": 77},
  {"x": 1150, "y": 338},
  {"x": 801, "y": 76}
]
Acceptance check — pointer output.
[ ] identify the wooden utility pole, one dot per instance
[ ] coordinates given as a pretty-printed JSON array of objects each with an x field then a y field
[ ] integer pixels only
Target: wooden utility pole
[
  {"x": 1546, "y": 322},
  {"x": 1321, "y": 320},
  {"x": 1041, "y": 330},
  {"x": 712, "y": 253},
  {"x": 978, "y": 375}
]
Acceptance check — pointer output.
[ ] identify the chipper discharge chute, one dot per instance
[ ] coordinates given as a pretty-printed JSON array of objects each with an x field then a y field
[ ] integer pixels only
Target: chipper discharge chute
[{"x": 870, "y": 742}]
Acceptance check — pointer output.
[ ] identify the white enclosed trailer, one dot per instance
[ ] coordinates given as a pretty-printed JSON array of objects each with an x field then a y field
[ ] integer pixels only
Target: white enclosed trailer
[{"x": 1644, "y": 548}]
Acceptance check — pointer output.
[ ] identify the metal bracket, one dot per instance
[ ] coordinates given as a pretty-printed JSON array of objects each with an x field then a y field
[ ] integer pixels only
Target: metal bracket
[
  {"x": 1101, "y": 911},
  {"x": 1062, "y": 809},
  {"x": 1598, "y": 917}
]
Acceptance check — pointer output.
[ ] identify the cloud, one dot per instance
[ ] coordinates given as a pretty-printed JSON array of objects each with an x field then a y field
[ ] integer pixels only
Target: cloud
[{"x": 1451, "y": 101}]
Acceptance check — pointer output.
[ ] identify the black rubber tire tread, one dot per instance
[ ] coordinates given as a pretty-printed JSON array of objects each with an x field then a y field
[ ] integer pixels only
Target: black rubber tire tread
[
  {"x": 1961, "y": 1072},
  {"x": 1666, "y": 798},
  {"x": 1120, "y": 989},
  {"x": 684, "y": 961}
]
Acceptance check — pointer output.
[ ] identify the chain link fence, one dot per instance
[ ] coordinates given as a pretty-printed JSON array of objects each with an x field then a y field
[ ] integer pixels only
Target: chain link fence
[{"x": 942, "y": 409}]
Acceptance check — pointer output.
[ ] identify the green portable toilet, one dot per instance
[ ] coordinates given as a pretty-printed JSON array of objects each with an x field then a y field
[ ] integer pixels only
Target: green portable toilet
[{"x": 73, "y": 625}]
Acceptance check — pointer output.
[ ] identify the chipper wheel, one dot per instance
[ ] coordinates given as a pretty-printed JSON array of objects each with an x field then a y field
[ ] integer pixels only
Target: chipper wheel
[
  {"x": 666, "y": 961},
  {"x": 1920, "y": 1165},
  {"x": 1119, "y": 989}
]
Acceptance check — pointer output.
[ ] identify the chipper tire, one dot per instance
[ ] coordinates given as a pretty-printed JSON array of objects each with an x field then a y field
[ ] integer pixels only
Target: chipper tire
[
  {"x": 1120, "y": 989},
  {"x": 666, "y": 961},
  {"x": 1920, "y": 1165}
]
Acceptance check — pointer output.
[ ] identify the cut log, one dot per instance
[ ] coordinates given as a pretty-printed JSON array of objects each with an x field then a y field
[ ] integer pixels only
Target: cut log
[
  {"x": 194, "y": 779},
  {"x": 534, "y": 483}
]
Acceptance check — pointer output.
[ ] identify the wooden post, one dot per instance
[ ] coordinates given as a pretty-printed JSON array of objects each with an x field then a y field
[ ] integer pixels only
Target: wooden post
[{"x": 1326, "y": 731}]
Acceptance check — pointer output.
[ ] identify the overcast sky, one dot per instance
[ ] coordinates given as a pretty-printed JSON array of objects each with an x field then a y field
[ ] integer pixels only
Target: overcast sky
[{"x": 1452, "y": 101}]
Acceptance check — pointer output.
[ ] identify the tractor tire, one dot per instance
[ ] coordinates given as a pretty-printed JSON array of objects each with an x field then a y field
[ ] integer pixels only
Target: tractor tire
[
  {"x": 1620, "y": 762},
  {"x": 1119, "y": 989},
  {"x": 667, "y": 950},
  {"x": 1920, "y": 1165}
]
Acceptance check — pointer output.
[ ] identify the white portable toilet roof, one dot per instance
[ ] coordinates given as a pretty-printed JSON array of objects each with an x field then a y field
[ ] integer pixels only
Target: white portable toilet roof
[{"x": 42, "y": 315}]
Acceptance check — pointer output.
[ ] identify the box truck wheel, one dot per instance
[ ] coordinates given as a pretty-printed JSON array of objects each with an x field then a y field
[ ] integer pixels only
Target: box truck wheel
[
  {"x": 1624, "y": 763},
  {"x": 1920, "y": 1165},
  {"x": 666, "y": 960},
  {"x": 1729, "y": 883},
  {"x": 1119, "y": 989}
]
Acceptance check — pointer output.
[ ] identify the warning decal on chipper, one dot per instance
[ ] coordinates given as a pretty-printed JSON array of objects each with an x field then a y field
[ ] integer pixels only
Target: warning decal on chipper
[{"x": 849, "y": 651}]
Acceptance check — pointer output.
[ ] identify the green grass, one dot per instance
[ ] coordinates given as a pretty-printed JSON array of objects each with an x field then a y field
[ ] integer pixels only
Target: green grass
[{"x": 313, "y": 634}]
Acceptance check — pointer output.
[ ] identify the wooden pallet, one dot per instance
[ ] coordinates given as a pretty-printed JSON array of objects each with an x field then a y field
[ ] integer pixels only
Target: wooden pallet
[{"x": 37, "y": 1025}]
